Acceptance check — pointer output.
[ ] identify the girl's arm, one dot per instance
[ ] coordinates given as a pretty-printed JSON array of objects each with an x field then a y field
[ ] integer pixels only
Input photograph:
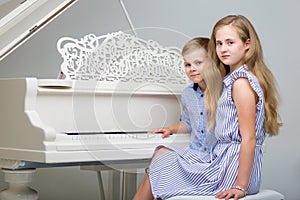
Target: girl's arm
[{"x": 245, "y": 100}]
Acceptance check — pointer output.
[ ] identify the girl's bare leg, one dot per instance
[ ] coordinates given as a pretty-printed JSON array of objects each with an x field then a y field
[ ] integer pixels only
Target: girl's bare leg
[{"x": 144, "y": 190}]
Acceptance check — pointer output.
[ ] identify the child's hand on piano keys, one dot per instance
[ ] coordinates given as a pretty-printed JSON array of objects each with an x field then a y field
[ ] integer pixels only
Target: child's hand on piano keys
[{"x": 165, "y": 131}]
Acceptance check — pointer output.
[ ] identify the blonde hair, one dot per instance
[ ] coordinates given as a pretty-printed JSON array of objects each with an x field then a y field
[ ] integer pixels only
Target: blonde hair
[
  {"x": 214, "y": 87},
  {"x": 254, "y": 59},
  {"x": 211, "y": 76},
  {"x": 195, "y": 43}
]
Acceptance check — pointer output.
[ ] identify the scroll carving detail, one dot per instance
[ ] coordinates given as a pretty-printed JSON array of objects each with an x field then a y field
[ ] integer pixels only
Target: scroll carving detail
[{"x": 120, "y": 57}]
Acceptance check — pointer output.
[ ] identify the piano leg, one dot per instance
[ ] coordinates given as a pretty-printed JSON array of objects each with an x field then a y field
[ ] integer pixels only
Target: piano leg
[
  {"x": 18, "y": 188},
  {"x": 101, "y": 189},
  {"x": 114, "y": 190},
  {"x": 122, "y": 182},
  {"x": 129, "y": 184}
]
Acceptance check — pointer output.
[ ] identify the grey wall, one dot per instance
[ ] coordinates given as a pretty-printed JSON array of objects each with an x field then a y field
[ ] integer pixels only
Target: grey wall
[{"x": 173, "y": 22}]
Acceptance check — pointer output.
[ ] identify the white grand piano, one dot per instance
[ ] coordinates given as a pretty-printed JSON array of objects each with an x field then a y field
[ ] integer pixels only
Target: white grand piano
[{"x": 113, "y": 89}]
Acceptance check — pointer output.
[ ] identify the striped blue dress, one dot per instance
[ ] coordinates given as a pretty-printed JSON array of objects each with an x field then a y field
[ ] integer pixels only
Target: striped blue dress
[{"x": 184, "y": 171}]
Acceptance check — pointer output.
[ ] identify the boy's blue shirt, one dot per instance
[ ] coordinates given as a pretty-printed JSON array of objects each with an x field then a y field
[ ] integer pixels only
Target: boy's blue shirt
[{"x": 194, "y": 117}]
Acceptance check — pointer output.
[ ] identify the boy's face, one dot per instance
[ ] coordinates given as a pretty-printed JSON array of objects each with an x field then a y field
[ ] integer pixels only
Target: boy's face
[{"x": 194, "y": 62}]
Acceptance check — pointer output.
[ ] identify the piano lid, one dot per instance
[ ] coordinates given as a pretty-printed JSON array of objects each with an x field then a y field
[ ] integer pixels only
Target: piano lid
[{"x": 21, "y": 19}]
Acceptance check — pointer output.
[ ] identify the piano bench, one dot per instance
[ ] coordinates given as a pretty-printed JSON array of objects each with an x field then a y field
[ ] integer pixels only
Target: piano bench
[{"x": 262, "y": 195}]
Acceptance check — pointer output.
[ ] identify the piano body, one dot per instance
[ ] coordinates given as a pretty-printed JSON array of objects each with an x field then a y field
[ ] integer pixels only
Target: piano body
[
  {"x": 114, "y": 89},
  {"x": 67, "y": 123}
]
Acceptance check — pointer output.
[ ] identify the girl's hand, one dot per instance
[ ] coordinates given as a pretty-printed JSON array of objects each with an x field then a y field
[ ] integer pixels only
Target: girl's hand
[
  {"x": 231, "y": 193},
  {"x": 164, "y": 131}
]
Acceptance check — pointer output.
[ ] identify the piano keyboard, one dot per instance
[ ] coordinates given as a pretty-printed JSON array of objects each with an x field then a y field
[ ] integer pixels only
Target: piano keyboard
[{"x": 114, "y": 140}]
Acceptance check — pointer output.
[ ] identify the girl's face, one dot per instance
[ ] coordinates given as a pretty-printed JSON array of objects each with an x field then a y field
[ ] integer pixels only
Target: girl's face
[
  {"x": 194, "y": 62},
  {"x": 229, "y": 47}
]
